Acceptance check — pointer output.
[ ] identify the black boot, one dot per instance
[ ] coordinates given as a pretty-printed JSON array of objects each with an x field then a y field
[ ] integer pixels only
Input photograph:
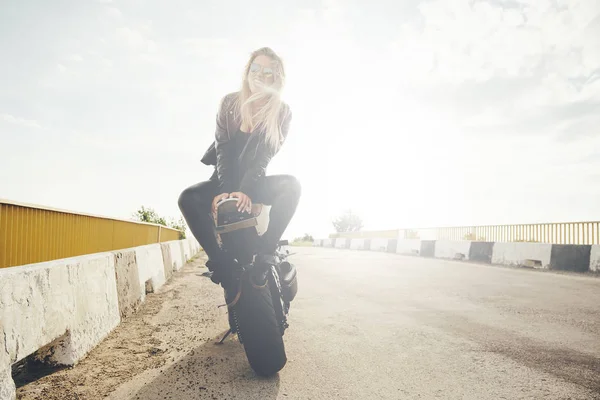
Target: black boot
[
  {"x": 221, "y": 270},
  {"x": 230, "y": 281}
]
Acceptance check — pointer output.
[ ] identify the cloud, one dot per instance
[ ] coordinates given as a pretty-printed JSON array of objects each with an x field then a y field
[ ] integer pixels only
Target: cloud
[
  {"x": 204, "y": 46},
  {"x": 11, "y": 119},
  {"x": 106, "y": 62},
  {"x": 131, "y": 36},
  {"x": 136, "y": 39},
  {"x": 114, "y": 12},
  {"x": 477, "y": 40},
  {"x": 527, "y": 67}
]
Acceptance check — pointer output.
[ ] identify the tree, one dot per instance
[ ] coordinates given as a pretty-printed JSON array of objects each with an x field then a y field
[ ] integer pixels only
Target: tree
[
  {"x": 348, "y": 222},
  {"x": 308, "y": 238},
  {"x": 149, "y": 215},
  {"x": 305, "y": 238}
]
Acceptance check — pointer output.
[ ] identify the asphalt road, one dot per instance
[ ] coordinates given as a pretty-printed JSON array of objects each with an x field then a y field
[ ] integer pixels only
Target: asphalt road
[{"x": 364, "y": 326}]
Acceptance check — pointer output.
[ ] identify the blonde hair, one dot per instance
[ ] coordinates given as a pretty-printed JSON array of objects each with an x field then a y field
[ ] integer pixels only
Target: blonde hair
[{"x": 266, "y": 116}]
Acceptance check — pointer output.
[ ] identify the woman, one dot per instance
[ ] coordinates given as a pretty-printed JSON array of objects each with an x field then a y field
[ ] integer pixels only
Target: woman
[{"x": 252, "y": 124}]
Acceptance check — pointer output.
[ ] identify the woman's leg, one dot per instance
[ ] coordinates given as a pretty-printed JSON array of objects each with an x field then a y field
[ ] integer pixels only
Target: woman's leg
[
  {"x": 195, "y": 204},
  {"x": 282, "y": 193}
]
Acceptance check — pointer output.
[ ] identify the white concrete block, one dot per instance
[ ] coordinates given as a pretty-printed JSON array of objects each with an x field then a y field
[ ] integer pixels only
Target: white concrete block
[
  {"x": 129, "y": 290},
  {"x": 185, "y": 248},
  {"x": 409, "y": 246},
  {"x": 150, "y": 268},
  {"x": 517, "y": 253},
  {"x": 168, "y": 267},
  {"x": 74, "y": 300},
  {"x": 7, "y": 385},
  {"x": 340, "y": 243},
  {"x": 452, "y": 249},
  {"x": 176, "y": 254},
  {"x": 192, "y": 248},
  {"x": 327, "y": 242},
  {"x": 195, "y": 246},
  {"x": 189, "y": 245},
  {"x": 379, "y": 244},
  {"x": 357, "y": 244},
  {"x": 595, "y": 258}
]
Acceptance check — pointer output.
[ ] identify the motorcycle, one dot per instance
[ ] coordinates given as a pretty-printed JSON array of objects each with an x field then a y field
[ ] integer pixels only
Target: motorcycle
[{"x": 258, "y": 312}]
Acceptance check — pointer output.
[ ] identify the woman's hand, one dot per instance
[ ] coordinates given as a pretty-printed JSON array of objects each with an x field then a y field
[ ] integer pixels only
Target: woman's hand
[
  {"x": 217, "y": 199},
  {"x": 244, "y": 202}
]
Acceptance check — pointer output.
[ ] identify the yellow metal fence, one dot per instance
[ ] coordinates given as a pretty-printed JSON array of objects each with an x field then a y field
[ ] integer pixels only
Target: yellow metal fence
[
  {"x": 31, "y": 234},
  {"x": 557, "y": 233},
  {"x": 366, "y": 234}
]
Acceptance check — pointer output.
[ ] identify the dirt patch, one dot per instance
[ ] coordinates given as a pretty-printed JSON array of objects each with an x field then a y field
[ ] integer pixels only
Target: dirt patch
[{"x": 180, "y": 317}]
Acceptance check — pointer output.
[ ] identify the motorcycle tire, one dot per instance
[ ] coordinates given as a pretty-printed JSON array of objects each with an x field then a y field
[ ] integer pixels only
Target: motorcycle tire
[{"x": 258, "y": 328}]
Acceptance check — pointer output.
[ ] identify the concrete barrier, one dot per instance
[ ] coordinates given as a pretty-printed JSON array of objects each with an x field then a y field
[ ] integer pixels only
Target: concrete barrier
[
  {"x": 452, "y": 249},
  {"x": 194, "y": 245},
  {"x": 408, "y": 246},
  {"x": 574, "y": 258},
  {"x": 392, "y": 245},
  {"x": 522, "y": 254},
  {"x": 340, "y": 243},
  {"x": 379, "y": 244},
  {"x": 151, "y": 268},
  {"x": 190, "y": 245},
  {"x": 357, "y": 244},
  {"x": 129, "y": 290},
  {"x": 481, "y": 252},
  {"x": 595, "y": 258},
  {"x": 7, "y": 386},
  {"x": 168, "y": 267},
  {"x": 186, "y": 251},
  {"x": 176, "y": 254},
  {"x": 60, "y": 309},
  {"x": 427, "y": 248}
]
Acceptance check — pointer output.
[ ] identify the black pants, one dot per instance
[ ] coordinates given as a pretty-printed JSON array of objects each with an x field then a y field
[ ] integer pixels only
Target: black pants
[{"x": 281, "y": 192}]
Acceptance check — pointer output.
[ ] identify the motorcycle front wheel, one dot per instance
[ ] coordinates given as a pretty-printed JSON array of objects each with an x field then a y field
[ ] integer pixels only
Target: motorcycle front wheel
[{"x": 258, "y": 326}]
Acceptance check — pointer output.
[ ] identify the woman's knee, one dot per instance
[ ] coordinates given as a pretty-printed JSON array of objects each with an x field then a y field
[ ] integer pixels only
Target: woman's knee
[
  {"x": 185, "y": 198},
  {"x": 194, "y": 196},
  {"x": 292, "y": 186}
]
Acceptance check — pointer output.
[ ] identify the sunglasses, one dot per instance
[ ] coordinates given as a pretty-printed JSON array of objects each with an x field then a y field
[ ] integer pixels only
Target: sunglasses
[{"x": 266, "y": 71}]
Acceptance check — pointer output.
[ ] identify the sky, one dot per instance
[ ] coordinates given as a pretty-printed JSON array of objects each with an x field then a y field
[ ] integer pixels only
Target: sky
[{"x": 412, "y": 113}]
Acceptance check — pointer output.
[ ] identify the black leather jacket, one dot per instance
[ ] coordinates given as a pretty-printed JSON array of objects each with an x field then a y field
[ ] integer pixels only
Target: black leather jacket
[{"x": 255, "y": 157}]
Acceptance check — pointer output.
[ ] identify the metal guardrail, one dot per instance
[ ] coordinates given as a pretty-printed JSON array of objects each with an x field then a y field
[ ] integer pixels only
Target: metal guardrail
[
  {"x": 31, "y": 234},
  {"x": 556, "y": 233}
]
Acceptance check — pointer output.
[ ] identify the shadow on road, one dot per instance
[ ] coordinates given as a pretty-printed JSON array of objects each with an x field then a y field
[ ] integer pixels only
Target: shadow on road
[
  {"x": 559, "y": 360},
  {"x": 211, "y": 371}
]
